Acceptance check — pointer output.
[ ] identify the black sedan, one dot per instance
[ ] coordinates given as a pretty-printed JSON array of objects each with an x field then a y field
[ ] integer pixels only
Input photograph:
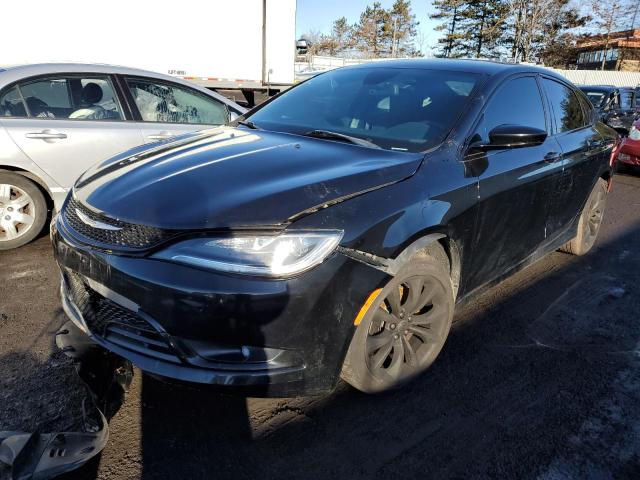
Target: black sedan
[{"x": 331, "y": 231}]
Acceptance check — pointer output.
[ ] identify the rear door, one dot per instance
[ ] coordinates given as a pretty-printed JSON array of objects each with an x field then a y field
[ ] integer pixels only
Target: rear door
[
  {"x": 164, "y": 109},
  {"x": 515, "y": 184},
  {"x": 582, "y": 147},
  {"x": 66, "y": 123}
]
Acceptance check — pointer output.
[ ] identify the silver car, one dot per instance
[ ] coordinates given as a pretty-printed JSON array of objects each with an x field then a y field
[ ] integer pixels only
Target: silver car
[{"x": 56, "y": 120}]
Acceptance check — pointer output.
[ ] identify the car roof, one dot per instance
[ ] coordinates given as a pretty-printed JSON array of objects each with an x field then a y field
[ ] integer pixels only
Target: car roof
[
  {"x": 11, "y": 74},
  {"x": 603, "y": 88},
  {"x": 486, "y": 67}
]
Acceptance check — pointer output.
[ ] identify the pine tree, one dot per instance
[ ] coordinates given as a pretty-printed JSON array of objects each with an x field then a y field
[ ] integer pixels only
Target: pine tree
[
  {"x": 402, "y": 29},
  {"x": 482, "y": 27},
  {"x": 450, "y": 13},
  {"x": 371, "y": 32}
]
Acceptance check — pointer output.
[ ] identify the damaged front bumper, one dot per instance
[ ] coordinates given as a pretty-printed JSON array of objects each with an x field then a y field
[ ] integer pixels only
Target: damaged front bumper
[{"x": 260, "y": 337}]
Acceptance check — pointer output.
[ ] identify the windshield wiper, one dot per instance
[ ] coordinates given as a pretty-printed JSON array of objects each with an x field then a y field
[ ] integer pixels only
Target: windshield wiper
[
  {"x": 249, "y": 123},
  {"x": 329, "y": 135}
]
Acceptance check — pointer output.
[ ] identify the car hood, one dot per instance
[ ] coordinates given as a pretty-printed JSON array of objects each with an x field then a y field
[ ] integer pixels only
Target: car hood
[{"x": 231, "y": 178}]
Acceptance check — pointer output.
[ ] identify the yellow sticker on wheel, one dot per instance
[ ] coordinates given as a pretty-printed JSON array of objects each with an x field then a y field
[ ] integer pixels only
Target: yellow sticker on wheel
[{"x": 363, "y": 311}]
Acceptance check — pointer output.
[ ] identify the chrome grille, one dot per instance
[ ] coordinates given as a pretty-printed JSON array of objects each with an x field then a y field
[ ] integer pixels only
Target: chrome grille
[
  {"x": 116, "y": 324},
  {"x": 127, "y": 235}
]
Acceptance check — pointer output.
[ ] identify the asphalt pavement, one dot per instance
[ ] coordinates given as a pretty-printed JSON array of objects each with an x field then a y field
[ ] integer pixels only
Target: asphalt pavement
[{"x": 540, "y": 379}]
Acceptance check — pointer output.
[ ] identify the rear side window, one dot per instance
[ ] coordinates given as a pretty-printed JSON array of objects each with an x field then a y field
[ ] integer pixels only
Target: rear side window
[
  {"x": 626, "y": 100},
  {"x": 11, "y": 104},
  {"x": 169, "y": 103},
  {"x": 566, "y": 108},
  {"x": 586, "y": 108},
  {"x": 517, "y": 102},
  {"x": 77, "y": 98}
]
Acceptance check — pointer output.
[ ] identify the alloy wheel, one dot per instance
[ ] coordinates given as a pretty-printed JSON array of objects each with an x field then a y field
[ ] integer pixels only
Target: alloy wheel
[
  {"x": 407, "y": 328},
  {"x": 17, "y": 212}
]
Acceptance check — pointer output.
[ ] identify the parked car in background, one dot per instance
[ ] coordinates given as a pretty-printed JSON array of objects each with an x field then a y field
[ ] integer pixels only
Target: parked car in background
[
  {"x": 616, "y": 106},
  {"x": 333, "y": 230},
  {"x": 629, "y": 154},
  {"x": 56, "y": 120}
]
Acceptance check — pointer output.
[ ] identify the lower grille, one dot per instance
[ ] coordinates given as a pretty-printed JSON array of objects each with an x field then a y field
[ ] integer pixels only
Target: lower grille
[{"x": 117, "y": 325}]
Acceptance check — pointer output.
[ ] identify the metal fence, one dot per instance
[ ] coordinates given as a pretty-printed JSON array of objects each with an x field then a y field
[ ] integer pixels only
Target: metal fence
[
  {"x": 579, "y": 77},
  {"x": 601, "y": 77}
]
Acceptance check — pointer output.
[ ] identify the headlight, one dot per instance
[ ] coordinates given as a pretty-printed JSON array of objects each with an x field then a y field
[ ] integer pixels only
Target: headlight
[
  {"x": 262, "y": 255},
  {"x": 634, "y": 133}
]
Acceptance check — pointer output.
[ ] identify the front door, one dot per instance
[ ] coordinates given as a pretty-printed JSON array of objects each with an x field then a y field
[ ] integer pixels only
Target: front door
[
  {"x": 167, "y": 109},
  {"x": 515, "y": 184}
]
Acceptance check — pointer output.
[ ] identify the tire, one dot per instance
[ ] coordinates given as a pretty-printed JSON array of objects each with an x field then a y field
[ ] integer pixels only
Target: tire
[
  {"x": 23, "y": 211},
  {"x": 399, "y": 337},
  {"x": 589, "y": 222}
]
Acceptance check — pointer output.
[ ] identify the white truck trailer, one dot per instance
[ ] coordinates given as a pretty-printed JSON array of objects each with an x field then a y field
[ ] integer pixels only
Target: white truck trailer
[{"x": 241, "y": 44}]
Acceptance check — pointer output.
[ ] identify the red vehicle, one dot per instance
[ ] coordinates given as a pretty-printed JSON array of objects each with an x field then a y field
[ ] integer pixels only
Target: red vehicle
[{"x": 629, "y": 154}]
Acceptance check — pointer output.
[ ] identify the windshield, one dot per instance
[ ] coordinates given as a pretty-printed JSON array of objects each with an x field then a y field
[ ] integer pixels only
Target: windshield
[
  {"x": 596, "y": 98},
  {"x": 401, "y": 109}
]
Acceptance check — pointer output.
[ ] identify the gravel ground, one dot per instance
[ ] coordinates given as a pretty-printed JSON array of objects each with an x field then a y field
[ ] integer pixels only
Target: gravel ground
[{"x": 539, "y": 379}]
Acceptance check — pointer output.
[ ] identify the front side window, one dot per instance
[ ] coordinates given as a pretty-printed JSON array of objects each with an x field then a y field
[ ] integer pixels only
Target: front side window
[
  {"x": 517, "y": 102},
  {"x": 11, "y": 104},
  {"x": 169, "y": 103},
  {"x": 566, "y": 108},
  {"x": 405, "y": 109},
  {"x": 77, "y": 98}
]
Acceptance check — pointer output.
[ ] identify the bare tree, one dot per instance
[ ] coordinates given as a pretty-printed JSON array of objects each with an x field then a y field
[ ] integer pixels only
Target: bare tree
[{"x": 610, "y": 16}]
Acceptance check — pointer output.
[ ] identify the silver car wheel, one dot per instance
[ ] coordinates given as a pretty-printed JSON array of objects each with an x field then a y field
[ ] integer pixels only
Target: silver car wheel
[{"x": 17, "y": 212}]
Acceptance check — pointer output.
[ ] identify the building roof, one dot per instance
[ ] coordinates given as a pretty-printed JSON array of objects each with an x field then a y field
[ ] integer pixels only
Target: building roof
[{"x": 622, "y": 39}]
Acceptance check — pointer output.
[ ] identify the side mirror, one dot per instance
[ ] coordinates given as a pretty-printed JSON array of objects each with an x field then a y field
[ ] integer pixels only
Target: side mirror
[{"x": 512, "y": 136}]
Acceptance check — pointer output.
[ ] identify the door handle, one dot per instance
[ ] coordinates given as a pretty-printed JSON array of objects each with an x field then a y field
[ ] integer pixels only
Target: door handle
[
  {"x": 161, "y": 135},
  {"x": 552, "y": 157},
  {"x": 47, "y": 135}
]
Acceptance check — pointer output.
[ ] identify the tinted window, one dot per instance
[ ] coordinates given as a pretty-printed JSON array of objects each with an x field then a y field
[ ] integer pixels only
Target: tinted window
[
  {"x": 567, "y": 111},
  {"x": 587, "y": 108},
  {"x": 626, "y": 100},
  {"x": 517, "y": 102},
  {"x": 11, "y": 104},
  {"x": 596, "y": 98},
  {"x": 169, "y": 103},
  {"x": 79, "y": 98},
  {"x": 395, "y": 108}
]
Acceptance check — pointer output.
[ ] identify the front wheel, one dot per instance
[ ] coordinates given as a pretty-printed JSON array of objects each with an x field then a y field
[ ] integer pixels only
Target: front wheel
[
  {"x": 404, "y": 329},
  {"x": 23, "y": 211}
]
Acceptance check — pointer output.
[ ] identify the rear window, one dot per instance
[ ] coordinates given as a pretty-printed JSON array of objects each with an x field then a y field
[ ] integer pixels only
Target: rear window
[{"x": 402, "y": 109}]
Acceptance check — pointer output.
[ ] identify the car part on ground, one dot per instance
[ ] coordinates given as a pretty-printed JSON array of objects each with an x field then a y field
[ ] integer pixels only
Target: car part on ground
[
  {"x": 224, "y": 292},
  {"x": 47, "y": 455},
  {"x": 23, "y": 210}
]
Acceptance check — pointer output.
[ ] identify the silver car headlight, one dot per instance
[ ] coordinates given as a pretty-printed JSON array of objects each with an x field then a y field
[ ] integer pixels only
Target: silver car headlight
[{"x": 281, "y": 255}]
